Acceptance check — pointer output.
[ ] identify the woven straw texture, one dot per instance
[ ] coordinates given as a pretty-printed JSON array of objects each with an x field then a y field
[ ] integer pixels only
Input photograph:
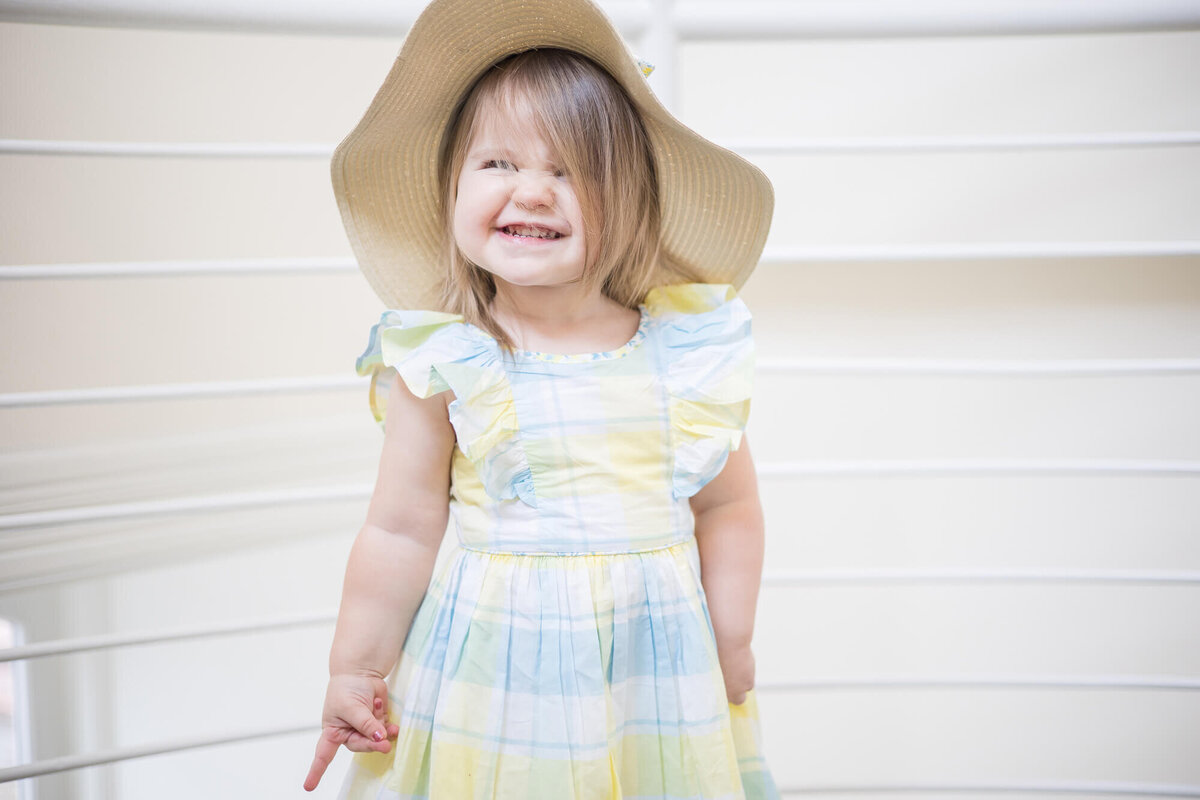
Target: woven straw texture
[{"x": 716, "y": 206}]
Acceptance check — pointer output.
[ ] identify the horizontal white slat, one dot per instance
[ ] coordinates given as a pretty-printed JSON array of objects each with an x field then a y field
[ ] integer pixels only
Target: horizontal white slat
[
  {"x": 84, "y": 644},
  {"x": 823, "y": 19},
  {"x": 843, "y": 145},
  {"x": 180, "y": 391},
  {"x": 703, "y": 19},
  {"x": 1112, "y": 788},
  {"x": 980, "y": 466},
  {"x": 963, "y": 367},
  {"x": 355, "y": 17},
  {"x": 65, "y": 763},
  {"x": 1119, "y": 682},
  {"x": 184, "y": 505},
  {"x": 813, "y": 468},
  {"x": 817, "y": 366},
  {"x": 797, "y": 254},
  {"x": 748, "y": 147},
  {"x": 155, "y": 269},
  {"x": 47, "y": 147},
  {"x": 763, "y": 19},
  {"x": 51, "y": 766},
  {"x": 789, "y": 254},
  {"x": 979, "y": 576}
]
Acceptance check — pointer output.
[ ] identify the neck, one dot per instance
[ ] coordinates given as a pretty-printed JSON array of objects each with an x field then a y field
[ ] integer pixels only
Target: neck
[{"x": 547, "y": 306}]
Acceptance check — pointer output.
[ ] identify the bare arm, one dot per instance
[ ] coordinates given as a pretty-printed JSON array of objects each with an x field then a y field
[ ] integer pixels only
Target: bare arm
[
  {"x": 393, "y": 556},
  {"x": 388, "y": 572},
  {"x": 729, "y": 534}
]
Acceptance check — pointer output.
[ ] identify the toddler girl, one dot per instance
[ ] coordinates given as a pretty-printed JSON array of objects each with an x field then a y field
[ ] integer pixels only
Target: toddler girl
[{"x": 565, "y": 370}]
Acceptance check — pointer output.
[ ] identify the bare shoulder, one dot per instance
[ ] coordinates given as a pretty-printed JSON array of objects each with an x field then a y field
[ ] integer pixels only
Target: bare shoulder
[{"x": 413, "y": 485}]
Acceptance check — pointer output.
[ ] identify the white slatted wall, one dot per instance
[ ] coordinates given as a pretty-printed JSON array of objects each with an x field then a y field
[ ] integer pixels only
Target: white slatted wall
[{"x": 975, "y": 420}]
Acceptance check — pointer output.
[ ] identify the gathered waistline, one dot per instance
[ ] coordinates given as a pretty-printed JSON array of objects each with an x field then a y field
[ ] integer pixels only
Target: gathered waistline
[{"x": 566, "y": 554}]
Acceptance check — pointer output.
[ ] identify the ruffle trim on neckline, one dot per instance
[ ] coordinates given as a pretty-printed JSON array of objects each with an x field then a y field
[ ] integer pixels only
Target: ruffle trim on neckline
[{"x": 564, "y": 358}]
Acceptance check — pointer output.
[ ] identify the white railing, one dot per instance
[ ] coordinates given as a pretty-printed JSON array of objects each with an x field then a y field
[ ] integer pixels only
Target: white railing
[
  {"x": 273, "y": 498},
  {"x": 966, "y": 368},
  {"x": 52, "y": 766},
  {"x": 772, "y": 255},
  {"x": 847, "y": 145},
  {"x": 693, "y": 19},
  {"x": 871, "y": 682}
]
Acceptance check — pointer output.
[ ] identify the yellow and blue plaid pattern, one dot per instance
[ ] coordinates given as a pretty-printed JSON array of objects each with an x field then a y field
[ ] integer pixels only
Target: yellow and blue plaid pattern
[{"x": 566, "y": 650}]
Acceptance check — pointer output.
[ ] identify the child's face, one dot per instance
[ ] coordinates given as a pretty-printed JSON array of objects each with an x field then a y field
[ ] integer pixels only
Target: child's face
[{"x": 515, "y": 214}]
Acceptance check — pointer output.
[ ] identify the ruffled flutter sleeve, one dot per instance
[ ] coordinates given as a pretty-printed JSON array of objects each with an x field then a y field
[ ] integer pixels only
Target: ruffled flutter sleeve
[
  {"x": 413, "y": 344},
  {"x": 434, "y": 352},
  {"x": 708, "y": 358}
]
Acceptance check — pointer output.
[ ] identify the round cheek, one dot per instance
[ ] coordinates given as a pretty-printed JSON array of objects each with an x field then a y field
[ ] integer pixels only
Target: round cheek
[
  {"x": 456, "y": 223},
  {"x": 591, "y": 248},
  {"x": 460, "y": 217}
]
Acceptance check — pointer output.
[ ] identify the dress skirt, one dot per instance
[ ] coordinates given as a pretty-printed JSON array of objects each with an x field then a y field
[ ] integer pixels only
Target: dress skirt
[{"x": 564, "y": 677}]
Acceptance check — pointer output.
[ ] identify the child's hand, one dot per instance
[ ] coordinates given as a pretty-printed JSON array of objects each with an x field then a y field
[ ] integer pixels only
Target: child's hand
[
  {"x": 355, "y": 710},
  {"x": 737, "y": 665}
]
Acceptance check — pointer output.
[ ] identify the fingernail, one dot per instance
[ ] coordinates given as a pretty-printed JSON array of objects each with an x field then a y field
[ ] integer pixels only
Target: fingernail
[{"x": 377, "y": 736}]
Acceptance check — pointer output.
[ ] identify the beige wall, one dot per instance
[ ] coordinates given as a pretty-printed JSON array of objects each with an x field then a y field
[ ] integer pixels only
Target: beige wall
[{"x": 161, "y": 572}]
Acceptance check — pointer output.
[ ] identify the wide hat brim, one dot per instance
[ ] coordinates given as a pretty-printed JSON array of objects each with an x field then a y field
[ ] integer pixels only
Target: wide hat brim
[{"x": 716, "y": 206}]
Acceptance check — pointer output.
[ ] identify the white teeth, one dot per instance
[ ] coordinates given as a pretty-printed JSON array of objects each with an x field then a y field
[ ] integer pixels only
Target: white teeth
[{"x": 525, "y": 230}]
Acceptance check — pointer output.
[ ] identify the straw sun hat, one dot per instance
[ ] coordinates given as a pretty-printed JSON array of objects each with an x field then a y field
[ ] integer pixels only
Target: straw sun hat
[{"x": 716, "y": 207}]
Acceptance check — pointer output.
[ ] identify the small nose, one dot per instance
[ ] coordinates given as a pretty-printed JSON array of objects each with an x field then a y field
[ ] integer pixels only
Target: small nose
[{"x": 534, "y": 191}]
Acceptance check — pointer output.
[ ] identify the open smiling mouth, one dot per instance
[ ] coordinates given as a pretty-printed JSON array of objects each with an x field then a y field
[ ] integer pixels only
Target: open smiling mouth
[{"x": 527, "y": 232}]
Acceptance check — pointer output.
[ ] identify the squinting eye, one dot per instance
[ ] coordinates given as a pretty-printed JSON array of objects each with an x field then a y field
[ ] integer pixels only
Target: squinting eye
[{"x": 498, "y": 164}]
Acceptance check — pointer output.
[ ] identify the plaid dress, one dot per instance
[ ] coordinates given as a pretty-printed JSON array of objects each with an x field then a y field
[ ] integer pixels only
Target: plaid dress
[{"x": 565, "y": 651}]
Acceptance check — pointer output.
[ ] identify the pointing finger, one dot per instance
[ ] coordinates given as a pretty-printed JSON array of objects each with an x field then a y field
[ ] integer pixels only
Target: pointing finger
[{"x": 326, "y": 749}]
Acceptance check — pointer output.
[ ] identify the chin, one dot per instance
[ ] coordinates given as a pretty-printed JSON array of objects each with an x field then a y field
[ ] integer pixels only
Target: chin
[{"x": 536, "y": 281}]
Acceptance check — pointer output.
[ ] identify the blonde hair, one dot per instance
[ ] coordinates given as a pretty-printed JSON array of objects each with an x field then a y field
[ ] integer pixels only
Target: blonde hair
[{"x": 597, "y": 135}]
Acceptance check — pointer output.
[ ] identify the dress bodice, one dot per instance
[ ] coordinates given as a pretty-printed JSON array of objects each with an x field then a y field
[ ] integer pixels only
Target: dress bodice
[{"x": 586, "y": 453}]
